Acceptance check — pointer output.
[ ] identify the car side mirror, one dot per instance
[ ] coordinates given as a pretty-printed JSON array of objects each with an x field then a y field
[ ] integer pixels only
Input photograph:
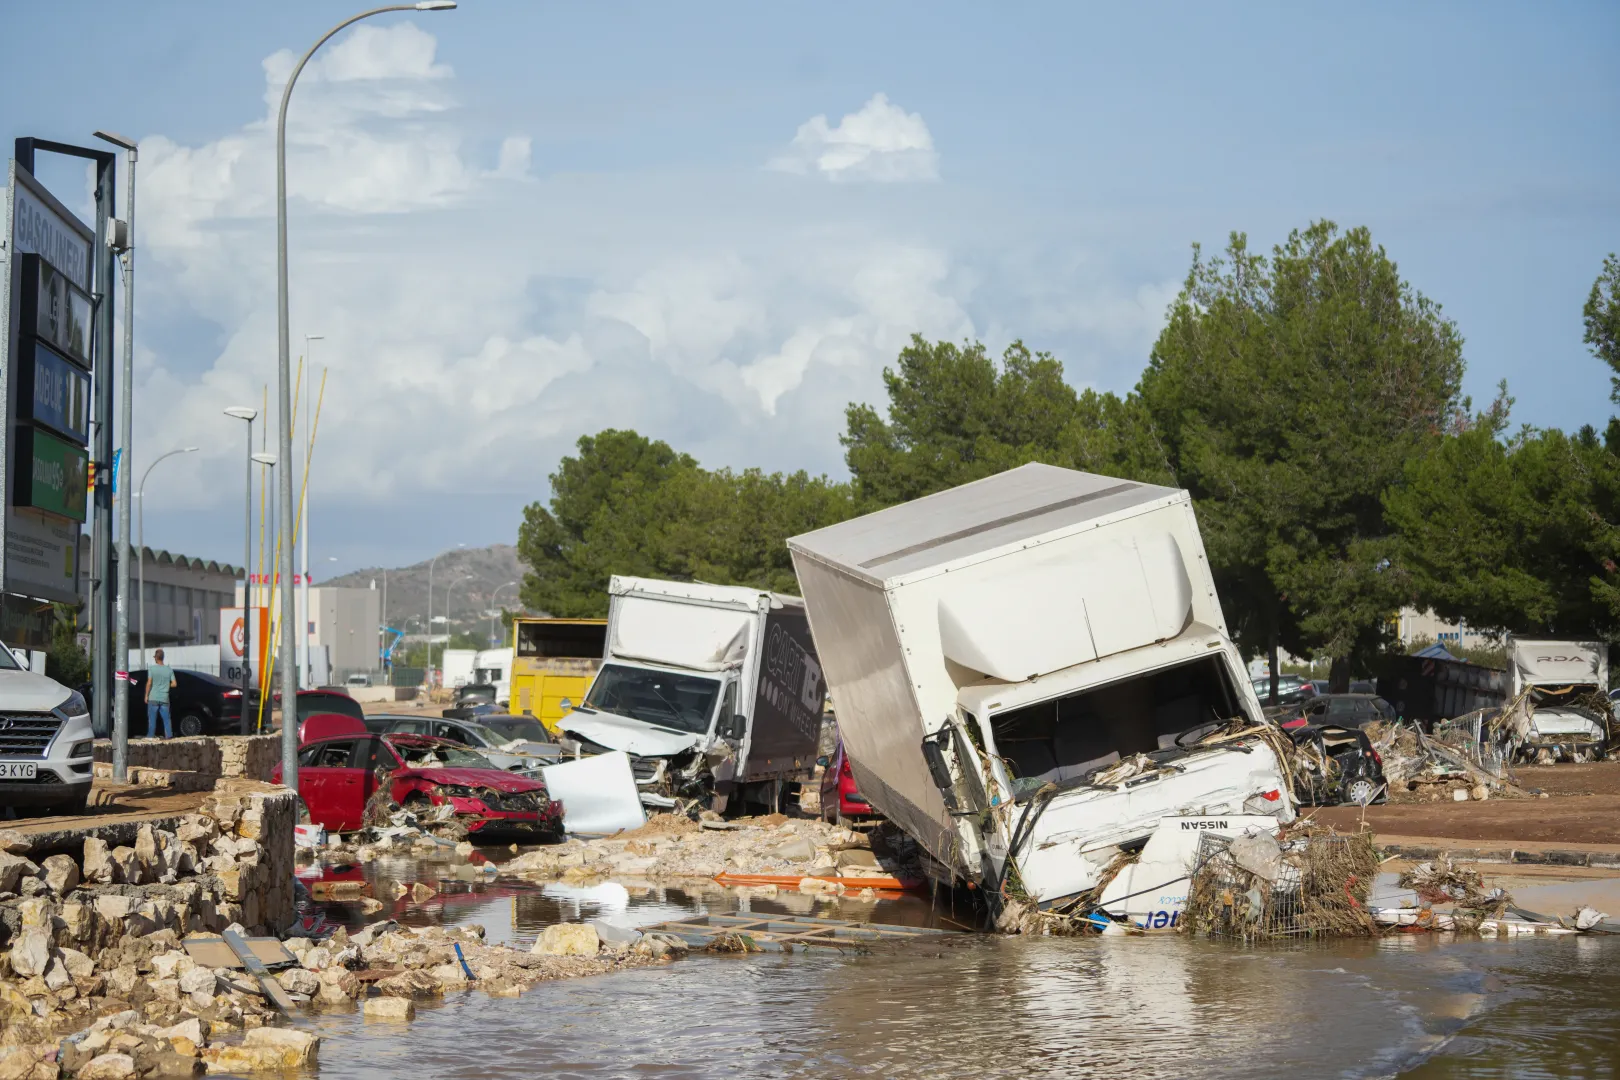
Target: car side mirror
[
  {"x": 734, "y": 726},
  {"x": 934, "y": 755},
  {"x": 822, "y": 761}
]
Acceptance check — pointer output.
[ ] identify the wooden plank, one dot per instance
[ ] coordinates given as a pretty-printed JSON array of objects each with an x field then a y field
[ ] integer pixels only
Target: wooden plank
[{"x": 214, "y": 952}]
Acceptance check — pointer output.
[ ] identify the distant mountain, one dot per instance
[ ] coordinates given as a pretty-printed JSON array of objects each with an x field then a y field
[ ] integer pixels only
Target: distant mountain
[{"x": 477, "y": 574}]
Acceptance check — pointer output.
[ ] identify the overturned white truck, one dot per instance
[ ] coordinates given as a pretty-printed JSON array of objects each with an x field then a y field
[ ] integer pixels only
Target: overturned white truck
[{"x": 1032, "y": 670}]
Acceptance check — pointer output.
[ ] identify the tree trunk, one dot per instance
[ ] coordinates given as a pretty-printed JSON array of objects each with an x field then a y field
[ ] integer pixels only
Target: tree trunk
[
  {"x": 1275, "y": 647},
  {"x": 1339, "y": 675}
]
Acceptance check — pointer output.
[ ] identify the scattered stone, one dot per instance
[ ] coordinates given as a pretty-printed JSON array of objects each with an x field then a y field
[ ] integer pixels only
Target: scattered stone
[
  {"x": 464, "y": 849},
  {"x": 568, "y": 939},
  {"x": 13, "y": 868},
  {"x": 299, "y": 981},
  {"x": 421, "y": 892},
  {"x": 389, "y": 1008},
  {"x": 13, "y": 842},
  {"x": 109, "y": 1067},
  {"x": 199, "y": 980},
  {"x": 798, "y": 849},
  {"x": 31, "y": 954},
  {"x": 61, "y": 874}
]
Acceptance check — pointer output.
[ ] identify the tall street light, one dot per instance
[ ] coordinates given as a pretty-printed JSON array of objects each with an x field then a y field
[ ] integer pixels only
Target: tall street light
[
  {"x": 303, "y": 518},
  {"x": 126, "y": 420},
  {"x": 289, "y": 678},
  {"x": 434, "y": 562},
  {"x": 243, "y": 412},
  {"x": 140, "y": 557},
  {"x": 494, "y": 608}
]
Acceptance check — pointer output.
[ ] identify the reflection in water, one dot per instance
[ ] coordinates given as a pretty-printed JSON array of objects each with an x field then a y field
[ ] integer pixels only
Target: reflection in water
[{"x": 996, "y": 1007}]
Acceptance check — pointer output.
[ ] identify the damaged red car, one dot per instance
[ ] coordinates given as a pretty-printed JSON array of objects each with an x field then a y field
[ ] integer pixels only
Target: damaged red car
[{"x": 338, "y": 775}]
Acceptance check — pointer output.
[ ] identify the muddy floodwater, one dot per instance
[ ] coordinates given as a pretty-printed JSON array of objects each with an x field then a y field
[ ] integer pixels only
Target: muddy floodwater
[{"x": 981, "y": 1006}]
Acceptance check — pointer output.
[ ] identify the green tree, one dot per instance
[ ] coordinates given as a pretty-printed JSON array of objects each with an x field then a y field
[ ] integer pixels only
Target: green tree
[
  {"x": 1286, "y": 394},
  {"x": 629, "y": 505},
  {"x": 1512, "y": 533},
  {"x": 1602, "y": 318},
  {"x": 64, "y": 660},
  {"x": 603, "y": 509},
  {"x": 954, "y": 416}
]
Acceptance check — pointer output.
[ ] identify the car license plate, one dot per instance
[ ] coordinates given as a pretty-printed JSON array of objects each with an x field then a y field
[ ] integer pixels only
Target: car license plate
[{"x": 17, "y": 770}]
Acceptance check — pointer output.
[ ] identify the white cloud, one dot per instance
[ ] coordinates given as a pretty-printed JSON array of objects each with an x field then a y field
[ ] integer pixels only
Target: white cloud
[
  {"x": 881, "y": 142},
  {"x": 475, "y": 326}
]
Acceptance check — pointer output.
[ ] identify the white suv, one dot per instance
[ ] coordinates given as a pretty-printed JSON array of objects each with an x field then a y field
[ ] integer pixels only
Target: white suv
[{"x": 46, "y": 742}]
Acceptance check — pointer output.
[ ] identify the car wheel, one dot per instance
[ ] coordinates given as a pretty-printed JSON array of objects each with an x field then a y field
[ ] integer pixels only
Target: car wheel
[
  {"x": 190, "y": 724},
  {"x": 75, "y": 805},
  {"x": 1360, "y": 791}
]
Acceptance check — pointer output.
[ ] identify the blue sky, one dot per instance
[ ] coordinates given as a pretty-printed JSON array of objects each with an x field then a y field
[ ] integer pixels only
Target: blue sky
[{"x": 516, "y": 223}]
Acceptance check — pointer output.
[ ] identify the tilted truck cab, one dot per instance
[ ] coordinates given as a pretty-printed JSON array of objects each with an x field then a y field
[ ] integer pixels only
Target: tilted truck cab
[
  {"x": 1032, "y": 670},
  {"x": 714, "y": 690}
]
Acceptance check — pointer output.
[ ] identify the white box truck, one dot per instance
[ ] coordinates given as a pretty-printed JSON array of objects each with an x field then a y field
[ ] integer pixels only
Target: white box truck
[
  {"x": 1022, "y": 669},
  {"x": 713, "y": 690},
  {"x": 1565, "y": 680}
]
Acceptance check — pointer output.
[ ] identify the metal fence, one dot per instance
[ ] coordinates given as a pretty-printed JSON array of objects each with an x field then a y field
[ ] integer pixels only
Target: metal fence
[{"x": 1316, "y": 886}]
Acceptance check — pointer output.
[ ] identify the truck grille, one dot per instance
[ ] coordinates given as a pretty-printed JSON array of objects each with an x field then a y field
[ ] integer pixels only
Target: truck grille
[{"x": 27, "y": 735}]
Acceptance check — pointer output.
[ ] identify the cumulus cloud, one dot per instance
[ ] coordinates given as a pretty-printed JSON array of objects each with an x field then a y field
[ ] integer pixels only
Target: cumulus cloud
[
  {"x": 479, "y": 315},
  {"x": 880, "y": 142}
]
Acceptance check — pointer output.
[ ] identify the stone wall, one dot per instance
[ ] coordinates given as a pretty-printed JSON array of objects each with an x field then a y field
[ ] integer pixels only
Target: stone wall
[{"x": 248, "y": 756}]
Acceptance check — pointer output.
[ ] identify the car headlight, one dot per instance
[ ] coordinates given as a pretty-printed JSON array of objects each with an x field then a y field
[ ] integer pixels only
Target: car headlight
[{"x": 74, "y": 706}]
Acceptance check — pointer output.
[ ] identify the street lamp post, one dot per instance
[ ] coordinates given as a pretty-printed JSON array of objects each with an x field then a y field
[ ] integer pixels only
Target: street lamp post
[
  {"x": 242, "y": 412},
  {"x": 140, "y": 542},
  {"x": 431, "y": 564},
  {"x": 303, "y": 519},
  {"x": 126, "y": 420},
  {"x": 289, "y": 678},
  {"x": 495, "y": 608}
]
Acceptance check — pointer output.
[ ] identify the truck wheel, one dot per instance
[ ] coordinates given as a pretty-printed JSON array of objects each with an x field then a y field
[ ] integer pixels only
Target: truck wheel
[{"x": 190, "y": 725}]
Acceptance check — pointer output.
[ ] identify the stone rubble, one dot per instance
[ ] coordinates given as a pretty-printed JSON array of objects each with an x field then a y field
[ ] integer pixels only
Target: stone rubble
[
  {"x": 92, "y": 944},
  {"x": 671, "y": 847}
]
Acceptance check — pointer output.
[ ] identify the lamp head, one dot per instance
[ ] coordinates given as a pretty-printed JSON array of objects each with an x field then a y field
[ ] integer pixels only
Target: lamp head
[
  {"x": 265, "y": 458},
  {"x": 116, "y": 139},
  {"x": 242, "y": 412},
  {"x": 436, "y": 5}
]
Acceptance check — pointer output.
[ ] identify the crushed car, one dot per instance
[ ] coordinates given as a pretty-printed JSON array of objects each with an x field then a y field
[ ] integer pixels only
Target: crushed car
[{"x": 343, "y": 774}]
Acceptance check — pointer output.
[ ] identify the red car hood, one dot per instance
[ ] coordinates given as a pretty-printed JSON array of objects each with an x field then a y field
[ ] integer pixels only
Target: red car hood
[{"x": 499, "y": 779}]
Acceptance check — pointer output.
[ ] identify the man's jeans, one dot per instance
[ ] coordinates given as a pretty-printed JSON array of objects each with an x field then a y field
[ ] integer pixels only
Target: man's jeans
[{"x": 154, "y": 710}]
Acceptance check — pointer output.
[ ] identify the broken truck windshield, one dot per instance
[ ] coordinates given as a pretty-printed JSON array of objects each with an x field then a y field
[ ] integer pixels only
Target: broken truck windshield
[
  {"x": 661, "y": 698},
  {"x": 1065, "y": 738}
]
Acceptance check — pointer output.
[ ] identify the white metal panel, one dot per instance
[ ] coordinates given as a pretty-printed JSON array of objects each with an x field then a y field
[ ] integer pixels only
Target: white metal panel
[
  {"x": 865, "y": 666},
  {"x": 985, "y": 516},
  {"x": 1040, "y": 618},
  {"x": 665, "y": 631},
  {"x": 1549, "y": 662}
]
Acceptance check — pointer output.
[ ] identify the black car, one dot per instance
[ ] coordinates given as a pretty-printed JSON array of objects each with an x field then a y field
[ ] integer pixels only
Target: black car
[
  {"x": 1338, "y": 765},
  {"x": 1346, "y": 710},
  {"x": 199, "y": 704}
]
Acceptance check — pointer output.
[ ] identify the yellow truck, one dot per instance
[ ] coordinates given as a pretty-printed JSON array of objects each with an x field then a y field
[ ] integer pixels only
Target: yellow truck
[{"x": 553, "y": 659}]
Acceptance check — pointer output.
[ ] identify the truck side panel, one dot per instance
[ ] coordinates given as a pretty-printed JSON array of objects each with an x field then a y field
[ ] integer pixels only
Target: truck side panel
[
  {"x": 785, "y": 721},
  {"x": 860, "y": 649}
]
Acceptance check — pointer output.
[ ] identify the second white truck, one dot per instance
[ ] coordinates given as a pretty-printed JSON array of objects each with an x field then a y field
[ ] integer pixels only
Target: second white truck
[
  {"x": 1567, "y": 682},
  {"x": 714, "y": 691},
  {"x": 1028, "y": 671}
]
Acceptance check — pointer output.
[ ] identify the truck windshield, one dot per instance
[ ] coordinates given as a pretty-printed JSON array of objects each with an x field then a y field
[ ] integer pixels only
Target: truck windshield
[{"x": 661, "y": 698}]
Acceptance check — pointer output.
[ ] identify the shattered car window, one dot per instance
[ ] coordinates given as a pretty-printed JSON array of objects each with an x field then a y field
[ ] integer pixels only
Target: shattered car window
[
  {"x": 662, "y": 698},
  {"x": 440, "y": 755},
  {"x": 518, "y": 727}
]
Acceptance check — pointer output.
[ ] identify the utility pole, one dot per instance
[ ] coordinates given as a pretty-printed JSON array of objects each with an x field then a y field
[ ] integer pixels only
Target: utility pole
[{"x": 126, "y": 420}]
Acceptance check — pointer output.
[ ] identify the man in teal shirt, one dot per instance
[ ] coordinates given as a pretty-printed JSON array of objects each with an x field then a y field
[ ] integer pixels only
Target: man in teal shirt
[{"x": 159, "y": 681}]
